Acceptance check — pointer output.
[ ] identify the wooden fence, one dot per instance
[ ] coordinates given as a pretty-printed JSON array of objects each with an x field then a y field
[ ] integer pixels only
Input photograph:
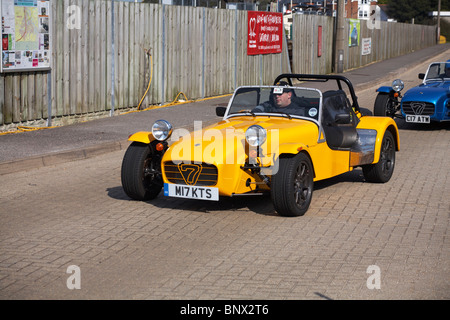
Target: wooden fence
[
  {"x": 387, "y": 39},
  {"x": 198, "y": 51},
  {"x": 305, "y": 44}
]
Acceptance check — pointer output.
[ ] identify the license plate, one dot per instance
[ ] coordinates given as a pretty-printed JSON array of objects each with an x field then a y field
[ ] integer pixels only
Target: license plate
[
  {"x": 417, "y": 119},
  {"x": 191, "y": 192}
]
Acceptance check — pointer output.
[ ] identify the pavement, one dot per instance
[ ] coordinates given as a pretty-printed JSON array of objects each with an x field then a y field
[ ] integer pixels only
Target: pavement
[{"x": 28, "y": 150}]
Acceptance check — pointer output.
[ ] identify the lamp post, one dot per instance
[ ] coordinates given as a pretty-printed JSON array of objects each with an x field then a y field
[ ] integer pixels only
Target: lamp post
[
  {"x": 339, "y": 41},
  {"x": 439, "y": 22}
]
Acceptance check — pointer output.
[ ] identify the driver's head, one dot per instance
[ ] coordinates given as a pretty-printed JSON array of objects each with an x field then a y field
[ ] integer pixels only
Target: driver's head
[
  {"x": 283, "y": 99},
  {"x": 447, "y": 69}
]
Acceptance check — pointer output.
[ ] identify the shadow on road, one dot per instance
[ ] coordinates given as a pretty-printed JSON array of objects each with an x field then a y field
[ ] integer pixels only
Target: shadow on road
[
  {"x": 433, "y": 126},
  {"x": 260, "y": 204}
]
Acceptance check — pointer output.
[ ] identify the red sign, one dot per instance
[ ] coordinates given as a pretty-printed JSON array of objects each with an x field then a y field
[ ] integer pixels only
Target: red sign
[
  {"x": 319, "y": 42},
  {"x": 265, "y": 32}
]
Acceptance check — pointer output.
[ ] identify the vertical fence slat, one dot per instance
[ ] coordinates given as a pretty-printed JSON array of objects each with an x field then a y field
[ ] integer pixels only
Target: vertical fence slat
[
  {"x": 108, "y": 57},
  {"x": 2, "y": 100},
  {"x": 8, "y": 99},
  {"x": 24, "y": 103}
]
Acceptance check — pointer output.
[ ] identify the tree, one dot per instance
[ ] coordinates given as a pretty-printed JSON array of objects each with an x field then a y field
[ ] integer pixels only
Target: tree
[{"x": 406, "y": 10}]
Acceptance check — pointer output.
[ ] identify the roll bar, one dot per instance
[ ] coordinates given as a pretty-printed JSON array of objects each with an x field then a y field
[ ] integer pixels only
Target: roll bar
[{"x": 321, "y": 78}]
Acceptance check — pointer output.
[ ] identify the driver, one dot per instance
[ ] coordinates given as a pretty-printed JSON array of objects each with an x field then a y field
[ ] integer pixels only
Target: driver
[
  {"x": 447, "y": 70},
  {"x": 283, "y": 101}
]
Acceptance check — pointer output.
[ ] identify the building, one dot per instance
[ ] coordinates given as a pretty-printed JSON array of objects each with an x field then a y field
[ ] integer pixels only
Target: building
[
  {"x": 354, "y": 9},
  {"x": 444, "y": 15}
]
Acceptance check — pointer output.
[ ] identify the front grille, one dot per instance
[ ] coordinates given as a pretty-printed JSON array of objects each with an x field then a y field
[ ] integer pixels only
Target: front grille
[
  {"x": 418, "y": 107},
  {"x": 203, "y": 174}
]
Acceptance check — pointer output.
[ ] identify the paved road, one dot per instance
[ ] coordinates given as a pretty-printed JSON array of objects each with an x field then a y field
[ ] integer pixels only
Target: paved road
[{"x": 75, "y": 213}]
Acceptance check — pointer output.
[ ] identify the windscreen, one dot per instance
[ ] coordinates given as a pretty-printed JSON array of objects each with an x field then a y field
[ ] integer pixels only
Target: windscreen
[
  {"x": 277, "y": 101},
  {"x": 438, "y": 71}
]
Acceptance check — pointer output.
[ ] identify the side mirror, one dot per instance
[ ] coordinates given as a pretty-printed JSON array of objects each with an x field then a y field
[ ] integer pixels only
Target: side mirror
[
  {"x": 342, "y": 118},
  {"x": 421, "y": 76},
  {"x": 220, "y": 111}
]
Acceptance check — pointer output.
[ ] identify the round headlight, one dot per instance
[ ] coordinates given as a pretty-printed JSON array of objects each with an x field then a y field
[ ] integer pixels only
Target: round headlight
[
  {"x": 255, "y": 135},
  {"x": 161, "y": 130},
  {"x": 397, "y": 85}
]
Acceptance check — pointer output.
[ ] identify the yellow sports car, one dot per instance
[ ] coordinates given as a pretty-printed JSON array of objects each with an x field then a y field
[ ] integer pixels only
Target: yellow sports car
[{"x": 273, "y": 140}]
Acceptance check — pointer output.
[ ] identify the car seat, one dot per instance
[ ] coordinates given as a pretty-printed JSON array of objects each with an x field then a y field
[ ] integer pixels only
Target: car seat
[{"x": 338, "y": 135}]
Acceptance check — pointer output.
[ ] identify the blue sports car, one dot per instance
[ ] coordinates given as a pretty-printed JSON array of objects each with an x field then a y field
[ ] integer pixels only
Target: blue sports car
[{"x": 429, "y": 101}]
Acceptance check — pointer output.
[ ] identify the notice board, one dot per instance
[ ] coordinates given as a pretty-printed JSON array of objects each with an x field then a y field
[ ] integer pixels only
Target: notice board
[
  {"x": 265, "y": 32},
  {"x": 25, "y": 29}
]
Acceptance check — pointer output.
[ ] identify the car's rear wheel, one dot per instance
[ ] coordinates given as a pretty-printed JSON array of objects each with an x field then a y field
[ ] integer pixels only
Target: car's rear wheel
[
  {"x": 382, "y": 171},
  {"x": 141, "y": 172},
  {"x": 292, "y": 186}
]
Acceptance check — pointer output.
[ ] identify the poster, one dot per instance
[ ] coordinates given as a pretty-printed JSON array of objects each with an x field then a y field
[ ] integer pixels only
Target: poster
[
  {"x": 25, "y": 29},
  {"x": 354, "y": 32},
  {"x": 265, "y": 32},
  {"x": 366, "y": 46}
]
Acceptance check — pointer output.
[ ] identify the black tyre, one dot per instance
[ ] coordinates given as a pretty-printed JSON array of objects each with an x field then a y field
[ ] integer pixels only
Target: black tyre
[
  {"x": 292, "y": 186},
  {"x": 382, "y": 171},
  {"x": 384, "y": 106},
  {"x": 365, "y": 112},
  {"x": 141, "y": 172}
]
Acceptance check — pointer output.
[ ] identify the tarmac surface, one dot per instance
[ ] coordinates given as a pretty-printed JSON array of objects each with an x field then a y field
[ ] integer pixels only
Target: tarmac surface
[
  {"x": 26, "y": 150},
  {"x": 63, "y": 209}
]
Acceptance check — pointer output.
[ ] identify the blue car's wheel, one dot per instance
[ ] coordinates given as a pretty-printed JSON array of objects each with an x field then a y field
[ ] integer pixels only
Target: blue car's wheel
[{"x": 385, "y": 105}]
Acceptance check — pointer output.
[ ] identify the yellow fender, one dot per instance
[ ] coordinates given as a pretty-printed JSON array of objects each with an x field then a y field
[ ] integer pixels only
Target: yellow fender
[
  {"x": 142, "y": 136},
  {"x": 380, "y": 124},
  {"x": 291, "y": 148},
  {"x": 272, "y": 156}
]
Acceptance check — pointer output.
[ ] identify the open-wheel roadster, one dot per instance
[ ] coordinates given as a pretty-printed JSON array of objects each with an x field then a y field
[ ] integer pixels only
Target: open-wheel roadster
[
  {"x": 425, "y": 103},
  {"x": 275, "y": 140}
]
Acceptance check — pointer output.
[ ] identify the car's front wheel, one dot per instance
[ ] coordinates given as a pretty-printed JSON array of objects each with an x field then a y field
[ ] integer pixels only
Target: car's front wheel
[
  {"x": 385, "y": 105},
  {"x": 292, "y": 186},
  {"x": 141, "y": 172},
  {"x": 382, "y": 171}
]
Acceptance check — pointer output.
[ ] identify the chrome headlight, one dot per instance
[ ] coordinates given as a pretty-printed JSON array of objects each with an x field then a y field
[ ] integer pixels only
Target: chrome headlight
[
  {"x": 255, "y": 135},
  {"x": 161, "y": 130},
  {"x": 397, "y": 85}
]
